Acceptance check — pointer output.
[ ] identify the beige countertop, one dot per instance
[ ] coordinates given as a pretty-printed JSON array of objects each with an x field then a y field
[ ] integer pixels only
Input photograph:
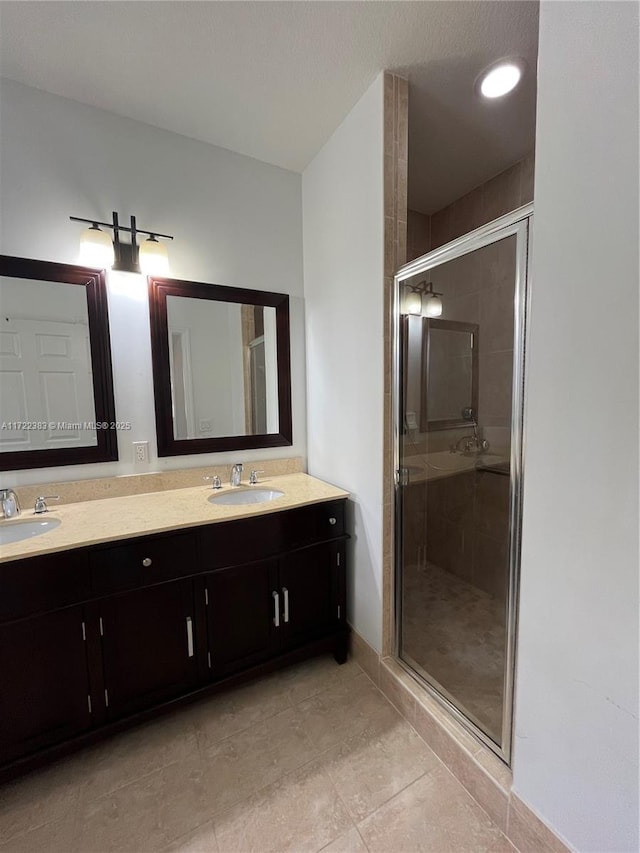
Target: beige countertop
[
  {"x": 436, "y": 466},
  {"x": 93, "y": 522}
]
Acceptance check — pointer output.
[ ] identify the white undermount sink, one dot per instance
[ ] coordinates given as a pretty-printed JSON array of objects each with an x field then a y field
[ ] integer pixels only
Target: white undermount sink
[
  {"x": 246, "y": 496},
  {"x": 16, "y": 531}
]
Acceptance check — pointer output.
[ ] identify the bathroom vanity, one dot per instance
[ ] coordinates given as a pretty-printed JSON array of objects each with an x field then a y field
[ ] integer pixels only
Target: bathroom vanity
[{"x": 164, "y": 598}]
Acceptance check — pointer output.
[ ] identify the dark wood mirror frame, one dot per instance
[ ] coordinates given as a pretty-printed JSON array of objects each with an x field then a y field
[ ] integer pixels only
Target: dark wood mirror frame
[
  {"x": 94, "y": 283},
  {"x": 159, "y": 290}
]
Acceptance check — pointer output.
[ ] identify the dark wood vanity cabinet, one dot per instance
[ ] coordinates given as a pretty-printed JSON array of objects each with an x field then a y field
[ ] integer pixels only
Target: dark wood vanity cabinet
[
  {"x": 311, "y": 593},
  {"x": 95, "y": 639},
  {"x": 44, "y": 682},
  {"x": 239, "y": 616},
  {"x": 269, "y": 607},
  {"x": 287, "y": 591},
  {"x": 147, "y": 645}
]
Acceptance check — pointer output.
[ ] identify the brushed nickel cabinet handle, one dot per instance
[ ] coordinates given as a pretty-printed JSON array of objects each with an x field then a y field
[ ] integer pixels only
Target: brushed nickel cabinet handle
[
  {"x": 333, "y": 520},
  {"x": 285, "y": 593},
  {"x": 147, "y": 562},
  {"x": 276, "y": 608},
  {"x": 189, "y": 636}
]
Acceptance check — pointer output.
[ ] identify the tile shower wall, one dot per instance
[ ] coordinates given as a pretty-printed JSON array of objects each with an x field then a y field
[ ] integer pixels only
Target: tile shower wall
[
  {"x": 418, "y": 234},
  {"x": 479, "y": 288},
  {"x": 467, "y": 528},
  {"x": 505, "y": 192}
]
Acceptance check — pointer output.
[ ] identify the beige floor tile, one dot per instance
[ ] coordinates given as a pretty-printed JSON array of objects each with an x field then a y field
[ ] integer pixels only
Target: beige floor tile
[
  {"x": 187, "y": 798},
  {"x": 56, "y": 837},
  {"x": 237, "y": 709},
  {"x": 40, "y": 797},
  {"x": 125, "y": 821},
  {"x": 199, "y": 840},
  {"x": 433, "y": 814},
  {"x": 369, "y": 771},
  {"x": 131, "y": 755},
  {"x": 350, "y": 842},
  {"x": 311, "y": 677},
  {"x": 301, "y": 813},
  {"x": 256, "y": 757},
  {"x": 345, "y": 711}
]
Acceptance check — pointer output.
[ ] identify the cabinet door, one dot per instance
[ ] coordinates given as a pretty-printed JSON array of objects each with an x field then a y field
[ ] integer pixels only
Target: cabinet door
[
  {"x": 148, "y": 646},
  {"x": 310, "y": 592},
  {"x": 241, "y": 615},
  {"x": 44, "y": 685}
]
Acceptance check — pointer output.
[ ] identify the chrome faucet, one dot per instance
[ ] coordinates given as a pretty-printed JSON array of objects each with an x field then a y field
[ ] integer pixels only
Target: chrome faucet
[
  {"x": 472, "y": 445},
  {"x": 236, "y": 474},
  {"x": 41, "y": 503},
  {"x": 215, "y": 481},
  {"x": 253, "y": 477},
  {"x": 10, "y": 503}
]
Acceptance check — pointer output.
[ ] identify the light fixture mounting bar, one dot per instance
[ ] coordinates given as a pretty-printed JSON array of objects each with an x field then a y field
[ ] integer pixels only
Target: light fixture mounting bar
[
  {"x": 117, "y": 227},
  {"x": 126, "y": 254}
]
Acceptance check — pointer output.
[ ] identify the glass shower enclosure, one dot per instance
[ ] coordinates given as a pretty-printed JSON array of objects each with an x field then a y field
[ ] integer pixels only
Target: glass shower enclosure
[{"x": 460, "y": 316}]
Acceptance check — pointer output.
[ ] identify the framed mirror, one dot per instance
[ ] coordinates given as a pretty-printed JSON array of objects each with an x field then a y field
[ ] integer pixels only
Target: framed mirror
[
  {"x": 221, "y": 367},
  {"x": 449, "y": 374},
  {"x": 56, "y": 385}
]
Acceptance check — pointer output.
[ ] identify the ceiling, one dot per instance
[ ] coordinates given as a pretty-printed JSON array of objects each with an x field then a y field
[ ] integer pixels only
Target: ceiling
[{"x": 273, "y": 80}]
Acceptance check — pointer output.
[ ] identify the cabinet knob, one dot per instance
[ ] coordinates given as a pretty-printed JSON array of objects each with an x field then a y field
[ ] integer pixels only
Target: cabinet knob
[
  {"x": 147, "y": 562},
  {"x": 332, "y": 520}
]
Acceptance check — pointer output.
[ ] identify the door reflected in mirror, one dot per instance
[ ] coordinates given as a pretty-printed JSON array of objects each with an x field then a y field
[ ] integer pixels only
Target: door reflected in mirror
[
  {"x": 221, "y": 367},
  {"x": 45, "y": 366},
  {"x": 55, "y": 366}
]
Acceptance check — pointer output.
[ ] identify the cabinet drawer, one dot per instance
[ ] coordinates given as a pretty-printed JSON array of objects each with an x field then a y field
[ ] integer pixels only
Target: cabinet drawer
[
  {"x": 247, "y": 540},
  {"x": 38, "y": 584},
  {"x": 142, "y": 562},
  {"x": 233, "y": 543},
  {"x": 309, "y": 524}
]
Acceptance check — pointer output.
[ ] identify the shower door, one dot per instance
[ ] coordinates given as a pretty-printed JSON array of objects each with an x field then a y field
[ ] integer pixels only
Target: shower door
[{"x": 460, "y": 323}]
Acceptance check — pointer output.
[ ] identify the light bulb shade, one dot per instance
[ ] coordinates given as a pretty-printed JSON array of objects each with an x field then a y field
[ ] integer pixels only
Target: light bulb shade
[
  {"x": 153, "y": 257},
  {"x": 96, "y": 248},
  {"x": 432, "y": 305},
  {"x": 413, "y": 302}
]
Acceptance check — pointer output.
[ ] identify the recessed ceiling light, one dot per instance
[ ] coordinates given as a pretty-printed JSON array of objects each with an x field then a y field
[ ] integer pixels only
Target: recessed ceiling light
[{"x": 500, "y": 78}]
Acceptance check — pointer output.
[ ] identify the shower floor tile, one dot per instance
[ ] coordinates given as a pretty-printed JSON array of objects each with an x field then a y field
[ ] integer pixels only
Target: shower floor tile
[{"x": 456, "y": 634}]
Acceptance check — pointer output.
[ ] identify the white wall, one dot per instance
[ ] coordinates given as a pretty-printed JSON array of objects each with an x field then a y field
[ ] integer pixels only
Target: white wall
[
  {"x": 576, "y": 739},
  {"x": 342, "y": 194},
  {"x": 236, "y": 221}
]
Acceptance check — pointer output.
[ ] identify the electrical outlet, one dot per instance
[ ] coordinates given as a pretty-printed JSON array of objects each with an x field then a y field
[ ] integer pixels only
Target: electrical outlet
[{"x": 140, "y": 452}]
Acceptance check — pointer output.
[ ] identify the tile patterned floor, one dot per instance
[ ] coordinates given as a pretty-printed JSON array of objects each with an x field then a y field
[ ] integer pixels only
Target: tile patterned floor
[
  {"x": 312, "y": 758},
  {"x": 457, "y": 634}
]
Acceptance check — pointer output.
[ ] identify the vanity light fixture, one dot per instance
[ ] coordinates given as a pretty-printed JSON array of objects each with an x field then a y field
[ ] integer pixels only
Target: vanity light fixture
[
  {"x": 413, "y": 302},
  {"x": 422, "y": 300},
  {"x": 99, "y": 249},
  {"x": 432, "y": 302},
  {"x": 500, "y": 78}
]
